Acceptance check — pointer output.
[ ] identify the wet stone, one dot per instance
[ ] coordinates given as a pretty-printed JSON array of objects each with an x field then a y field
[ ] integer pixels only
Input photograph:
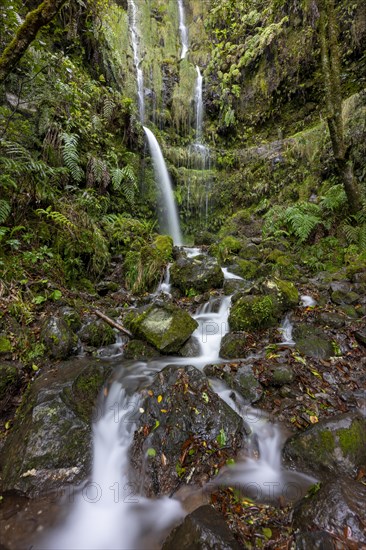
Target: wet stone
[{"x": 203, "y": 529}]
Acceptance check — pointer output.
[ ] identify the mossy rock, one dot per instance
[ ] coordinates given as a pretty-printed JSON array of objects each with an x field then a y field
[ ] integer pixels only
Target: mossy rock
[
  {"x": 312, "y": 341},
  {"x": 341, "y": 297},
  {"x": 97, "y": 334},
  {"x": 233, "y": 345},
  {"x": 335, "y": 446},
  {"x": 58, "y": 338},
  {"x": 282, "y": 375},
  {"x": 164, "y": 244},
  {"x": 139, "y": 350},
  {"x": 285, "y": 292},
  {"x": 250, "y": 252},
  {"x": 165, "y": 326},
  {"x": 226, "y": 248},
  {"x": 248, "y": 269},
  {"x": 49, "y": 445},
  {"x": 254, "y": 312},
  {"x": 5, "y": 345},
  {"x": 199, "y": 274},
  {"x": 82, "y": 396}
]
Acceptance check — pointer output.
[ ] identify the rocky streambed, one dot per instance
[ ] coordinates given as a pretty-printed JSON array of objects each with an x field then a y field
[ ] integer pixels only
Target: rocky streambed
[{"x": 164, "y": 421}]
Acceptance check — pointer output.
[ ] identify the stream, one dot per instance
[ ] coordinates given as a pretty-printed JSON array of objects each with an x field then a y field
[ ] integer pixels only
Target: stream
[{"x": 109, "y": 511}]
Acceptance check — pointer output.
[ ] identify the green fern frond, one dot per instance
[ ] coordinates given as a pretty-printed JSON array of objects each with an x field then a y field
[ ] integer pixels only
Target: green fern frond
[
  {"x": 108, "y": 107},
  {"x": 71, "y": 156},
  {"x": 5, "y": 210},
  {"x": 57, "y": 217},
  {"x": 334, "y": 199},
  {"x": 124, "y": 180},
  {"x": 97, "y": 173}
]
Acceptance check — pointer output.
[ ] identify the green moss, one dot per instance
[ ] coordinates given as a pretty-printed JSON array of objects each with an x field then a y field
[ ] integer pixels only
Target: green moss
[
  {"x": 352, "y": 439},
  {"x": 9, "y": 377},
  {"x": 248, "y": 269},
  {"x": 5, "y": 344},
  {"x": 164, "y": 244},
  {"x": 251, "y": 312}
]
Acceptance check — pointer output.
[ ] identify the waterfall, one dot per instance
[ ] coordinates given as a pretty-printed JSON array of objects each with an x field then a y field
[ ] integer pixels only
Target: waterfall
[
  {"x": 183, "y": 29},
  {"x": 137, "y": 61},
  {"x": 170, "y": 219},
  {"x": 199, "y": 105}
]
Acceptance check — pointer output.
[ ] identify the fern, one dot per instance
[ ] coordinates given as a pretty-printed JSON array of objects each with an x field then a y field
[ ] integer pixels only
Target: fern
[
  {"x": 57, "y": 218},
  {"x": 71, "y": 156},
  {"x": 97, "y": 173},
  {"x": 108, "y": 107},
  {"x": 334, "y": 199},
  {"x": 124, "y": 180},
  {"x": 5, "y": 210},
  {"x": 302, "y": 218}
]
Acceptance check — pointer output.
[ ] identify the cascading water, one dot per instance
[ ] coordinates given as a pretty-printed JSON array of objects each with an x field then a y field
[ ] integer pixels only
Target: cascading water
[
  {"x": 183, "y": 29},
  {"x": 137, "y": 60},
  {"x": 199, "y": 105},
  {"x": 109, "y": 511},
  {"x": 165, "y": 286},
  {"x": 169, "y": 218}
]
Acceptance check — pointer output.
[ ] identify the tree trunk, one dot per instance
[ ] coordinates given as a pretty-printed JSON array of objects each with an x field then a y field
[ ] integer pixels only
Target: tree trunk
[
  {"x": 26, "y": 33},
  {"x": 331, "y": 69}
]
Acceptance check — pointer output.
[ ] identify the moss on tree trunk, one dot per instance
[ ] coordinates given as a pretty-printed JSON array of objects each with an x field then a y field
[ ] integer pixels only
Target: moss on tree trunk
[
  {"x": 26, "y": 33},
  {"x": 331, "y": 69}
]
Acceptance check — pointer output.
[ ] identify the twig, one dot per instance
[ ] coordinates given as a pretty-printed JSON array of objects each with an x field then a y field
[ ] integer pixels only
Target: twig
[{"x": 112, "y": 323}]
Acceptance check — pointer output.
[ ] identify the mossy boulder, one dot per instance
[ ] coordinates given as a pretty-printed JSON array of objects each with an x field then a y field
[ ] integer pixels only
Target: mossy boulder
[
  {"x": 182, "y": 416},
  {"x": 49, "y": 444},
  {"x": 82, "y": 395},
  {"x": 139, "y": 350},
  {"x": 97, "y": 334},
  {"x": 312, "y": 341},
  {"x": 225, "y": 249},
  {"x": 58, "y": 338},
  {"x": 285, "y": 292},
  {"x": 282, "y": 375},
  {"x": 335, "y": 446},
  {"x": 164, "y": 245},
  {"x": 233, "y": 345},
  {"x": 200, "y": 274},
  {"x": 254, "y": 312},
  {"x": 250, "y": 252},
  {"x": 248, "y": 269},
  {"x": 164, "y": 325}
]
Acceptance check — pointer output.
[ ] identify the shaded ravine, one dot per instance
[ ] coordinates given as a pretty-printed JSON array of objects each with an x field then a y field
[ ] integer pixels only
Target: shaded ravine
[{"x": 109, "y": 510}]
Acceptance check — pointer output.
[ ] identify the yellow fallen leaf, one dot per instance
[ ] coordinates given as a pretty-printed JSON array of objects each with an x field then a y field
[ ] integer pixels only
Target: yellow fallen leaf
[
  {"x": 160, "y": 398},
  {"x": 314, "y": 419},
  {"x": 163, "y": 411}
]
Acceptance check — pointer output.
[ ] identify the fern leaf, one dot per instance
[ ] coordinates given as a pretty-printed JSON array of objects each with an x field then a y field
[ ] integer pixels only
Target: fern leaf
[
  {"x": 5, "y": 210},
  {"x": 71, "y": 156}
]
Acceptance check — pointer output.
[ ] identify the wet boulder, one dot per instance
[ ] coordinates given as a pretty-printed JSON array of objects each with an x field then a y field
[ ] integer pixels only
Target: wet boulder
[
  {"x": 203, "y": 529},
  {"x": 285, "y": 292},
  {"x": 335, "y": 446},
  {"x": 185, "y": 432},
  {"x": 49, "y": 445},
  {"x": 164, "y": 325},
  {"x": 198, "y": 274},
  {"x": 139, "y": 350},
  {"x": 338, "y": 507},
  {"x": 312, "y": 341},
  {"x": 254, "y": 312},
  {"x": 97, "y": 334},
  {"x": 233, "y": 345},
  {"x": 314, "y": 540},
  {"x": 58, "y": 338}
]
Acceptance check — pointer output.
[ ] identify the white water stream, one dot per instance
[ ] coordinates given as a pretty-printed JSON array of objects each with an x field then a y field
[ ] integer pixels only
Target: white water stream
[
  {"x": 109, "y": 511},
  {"x": 137, "y": 59},
  {"x": 169, "y": 217},
  {"x": 183, "y": 30}
]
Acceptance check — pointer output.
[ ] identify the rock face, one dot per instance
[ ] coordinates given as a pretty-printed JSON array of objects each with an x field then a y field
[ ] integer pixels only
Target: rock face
[
  {"x": 50, "y": 442},
  {"x": 203, "y": 529},
  {"x": 312, "y": 342},
  {"x": 138, "y": 350},
  {"x": 240, "y": 377},
  {"x": 199, "y": 274},
  {"x": 10, "y": 381},
  {"x": 333, "y": 446},
  {"x": 338, "y": 506},
  {"x": 165, "y": 326},
  {"x": 59, "y": 340},
  {"x": 97, "y": 334},
  {"x": 184, "y": 433}
]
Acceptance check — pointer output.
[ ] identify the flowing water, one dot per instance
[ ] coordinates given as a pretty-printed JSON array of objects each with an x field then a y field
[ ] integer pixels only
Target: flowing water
[
  {"x": 199, "y": 105},
  {"x": 286, "y": 331},
  {"x": 169, "y": 220},
  {"x": 165, "y": 286},
  {"x": 109, "y": 511},
  {"x": 137, "y": 59},
  {"x": 183, "y": 29}
]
